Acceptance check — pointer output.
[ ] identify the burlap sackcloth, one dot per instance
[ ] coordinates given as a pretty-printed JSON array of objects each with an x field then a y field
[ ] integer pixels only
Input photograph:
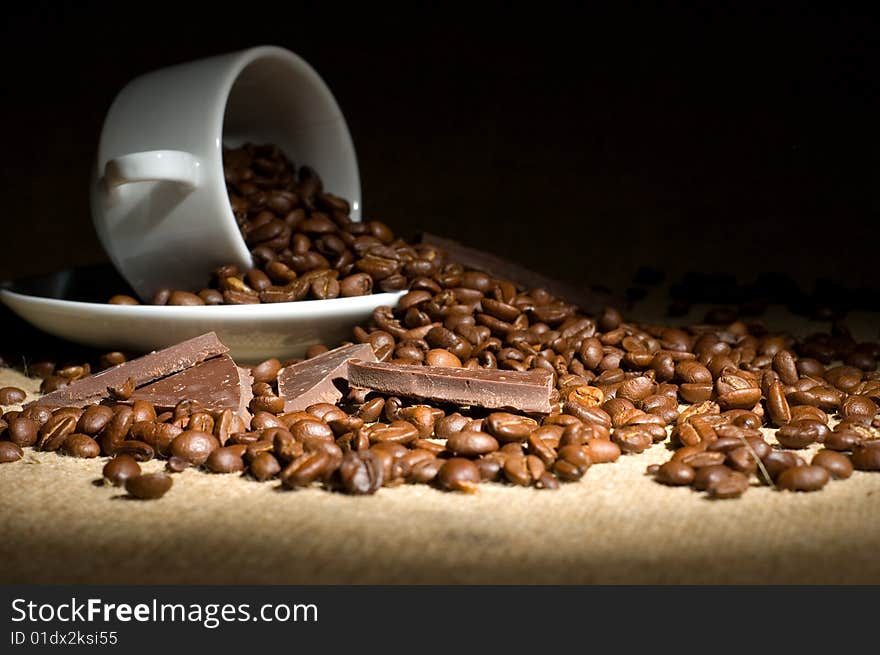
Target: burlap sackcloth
[{"x": 614, "y": 526}]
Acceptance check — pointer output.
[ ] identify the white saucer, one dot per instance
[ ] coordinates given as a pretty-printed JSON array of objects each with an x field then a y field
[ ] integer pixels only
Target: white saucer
[{"x": 253, "y": 333}]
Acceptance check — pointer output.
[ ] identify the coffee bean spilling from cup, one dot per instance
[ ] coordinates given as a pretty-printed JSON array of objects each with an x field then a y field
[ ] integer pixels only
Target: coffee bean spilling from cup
[
  {"x": 613, "y": 387},
  {"x": 304, "y": 244}
]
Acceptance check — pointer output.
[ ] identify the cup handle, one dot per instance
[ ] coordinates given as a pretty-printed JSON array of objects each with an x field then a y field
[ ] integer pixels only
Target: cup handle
[{"x": 153, "y": 166}]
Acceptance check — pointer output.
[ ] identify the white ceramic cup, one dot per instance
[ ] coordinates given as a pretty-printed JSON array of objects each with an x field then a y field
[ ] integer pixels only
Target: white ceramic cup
[{"x": 158, "y": 196}]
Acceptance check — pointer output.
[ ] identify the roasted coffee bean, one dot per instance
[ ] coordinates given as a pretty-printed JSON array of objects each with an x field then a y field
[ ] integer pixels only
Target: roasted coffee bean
[
  {"x": 490, "y": 468},
  {"x": 591, "y": 352},
  {"x": 357, "y": 284},
  {"x": 572, "y": 462},
  {"x": 264, "y": 466},
  {"x": 226, "y": 424},
  {"x": 345, "y": 424},
  {"x": 141, "y": 451},
  {"x": 732, "y": 485},
  {"x": 361, "y": 472},
  {"x": 542, "y": 449},
  {"x": 122, "y": 299},
  {"x": 845, "y": 378},
  {"x": 420, "y": 416},
  {"x": 508, "y": 427},
  {"x": 225, "y": 460},
  {"x": 800, "y": 434},
  {"x": 535, "y": 466},
  {"x": 117, "y": 429},
  {"x": 305, "y": 469},
  {"x": 12, "y": 396},
  {"x": 586, "y": 396},
  {"x": 266, "y": 371},
  {"x": 396, "y": 431},
  {"x": 803, "y": 478},
  {"x": 866, "y": 457},
  {"x": 808, "y": 411},
  {"x": 80, "y": 445},
  {"x": 431, "y": 446},
  {"x": 632, "y": 439},
  {"x": 211, "y": 296},
  {"x": 675, "y": 474},
  {"x": 777, "y": 404},
  {"x": 739, "y": 398},
  {"x": 323, "y": 411},
  {"x": 858, "y": 408},
  {"x": 636, "y": 389},
  {"x": 184, "y": 298},
  {"x": 578, "y": 433},
  {"x": 449, "y": 425},
  {"x": 695, "y": 393},
  {"x": 142, "y": 411},
  {"x": 441, "y": 357},
  {"x": 22, "y": 431},
  {"x": 270, "y": 404},
  {"x": 838, "y": 466},
  {"x": 742, "y": 459},
  {"x": 778, "y": 461},
  {"x": 758, "y": 446},
  {"x": 619, "y": 409},
  {"x": 158, "y": 435},
  {"x": 311, "y": 428},
  {"x": 785, "y": 367},
  {"x": 692, "y": 372},
  {"x": 148, "y": 486},
  {"x": 201, "y": 422},
  {"x": 708, "y": 476},
  {"x": 408, "y": 458},
  {"x": 10, "y": 452},
  {"x": 55, "y": 431},
  {"x": 425, "y": 471},
  {"x": 698, "y": 460},
  {"x": 468, "y": 443},
  {"x": 459, "y": 474},
  {"x": 603, "y": 451},
  {"x": 251, "y": 450},
  {"x": 513, "y": 448},
  {"x": 194, "y": 446},
  {"x": 94, "y": 419},
  {"x": 516, "y": 470},
  {"x": 547, "y": 481},
  {"x": 120, "y": 468}
]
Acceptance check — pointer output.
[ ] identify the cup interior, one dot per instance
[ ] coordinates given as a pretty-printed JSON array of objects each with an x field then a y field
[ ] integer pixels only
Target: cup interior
[{"x": 278, "y": 98}]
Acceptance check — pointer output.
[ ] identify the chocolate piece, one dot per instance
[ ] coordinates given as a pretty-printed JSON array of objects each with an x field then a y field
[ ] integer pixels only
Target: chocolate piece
[
  {"x": 524, "y": 391},
  {"x": 215, "y": 384},
  {"x": 312, "y": 381},
  {"x": 588, "y": 300},
  {"x": 95, "y": 388}
]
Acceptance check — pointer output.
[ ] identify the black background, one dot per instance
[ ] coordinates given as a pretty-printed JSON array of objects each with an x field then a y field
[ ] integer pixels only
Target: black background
[{"x": 582, "y": 143}]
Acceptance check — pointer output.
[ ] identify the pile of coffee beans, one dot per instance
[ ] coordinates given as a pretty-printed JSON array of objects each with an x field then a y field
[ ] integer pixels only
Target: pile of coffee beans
[
  {"x": 706, "y": 390},
  {"x": 304, "y": 243},
  {"x": 621, "y": 389}
]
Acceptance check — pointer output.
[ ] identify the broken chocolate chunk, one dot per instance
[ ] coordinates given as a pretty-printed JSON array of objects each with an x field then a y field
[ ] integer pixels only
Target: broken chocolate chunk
[
  {"x": 143, "y": 370},
  {"x": 215, "y": 385},
  {"x": 524, "y": 391},
  {"x": 316, "y": 380}
]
